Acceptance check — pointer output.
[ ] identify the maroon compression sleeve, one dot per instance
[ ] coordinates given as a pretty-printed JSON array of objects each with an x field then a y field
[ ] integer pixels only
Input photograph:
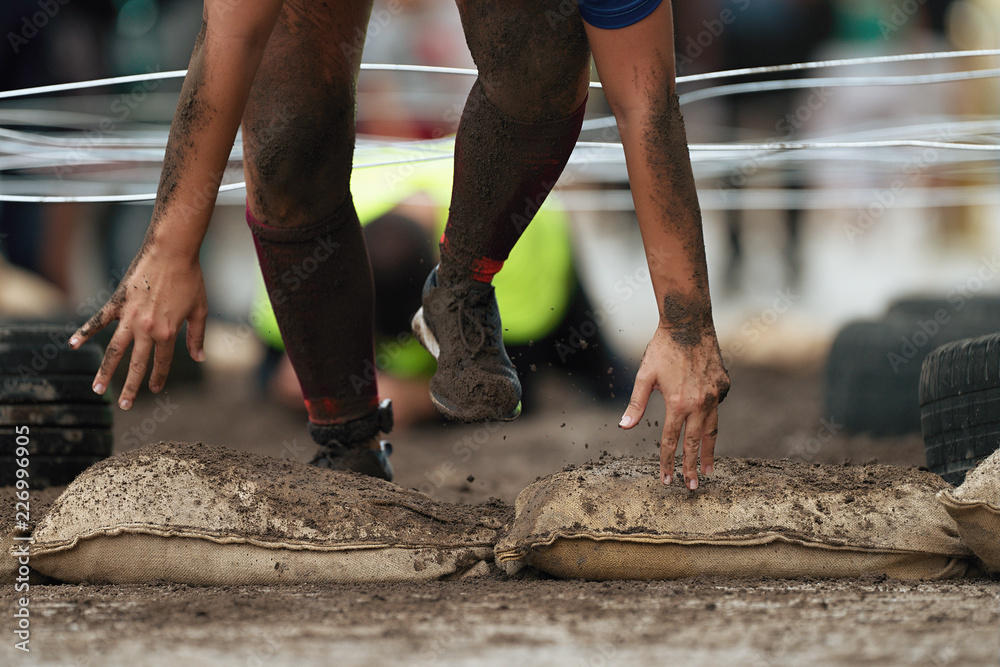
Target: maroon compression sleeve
[{"x": 319, "y": 282}]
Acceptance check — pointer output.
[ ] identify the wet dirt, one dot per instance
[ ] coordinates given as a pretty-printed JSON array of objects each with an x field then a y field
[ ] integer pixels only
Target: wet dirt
[
  {"x": 771, "y": 413},
  {"x": 484, "y": 622},
  {"x": 224, "y": 493}
]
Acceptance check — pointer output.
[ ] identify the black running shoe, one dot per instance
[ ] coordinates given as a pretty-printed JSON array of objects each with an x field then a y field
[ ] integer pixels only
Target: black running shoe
[
  {"x": 370, "y": 458},
  {"x": 460, "y": 325},
  {"x": 354, "y": 446}
]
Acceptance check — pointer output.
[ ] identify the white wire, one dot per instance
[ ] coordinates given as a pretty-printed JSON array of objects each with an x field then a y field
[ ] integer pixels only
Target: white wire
[
  {"x": 94, "y": 199},
  {"x": 803, "y": 145},
  {"x": 388, "y": 67},
  {"x": 71, "y": 142},
  {"x": 94, "y": 83},
  {"x": 837, "y": 82},
  {"x": 841, "y": 62}
]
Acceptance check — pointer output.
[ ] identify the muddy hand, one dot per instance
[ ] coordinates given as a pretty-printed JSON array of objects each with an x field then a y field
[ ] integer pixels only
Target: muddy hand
[
  {"x": 152, "y": 301},
  {"x": 693, "y": 381}
]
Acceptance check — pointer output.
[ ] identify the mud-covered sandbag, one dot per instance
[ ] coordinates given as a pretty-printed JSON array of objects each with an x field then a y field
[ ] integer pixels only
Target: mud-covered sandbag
[
  {"x": 195, "y": 514},
  {"x": 17, "y": 521},
  {"x": 615, "y": 520},
  {"x": 975, "y": 507}
]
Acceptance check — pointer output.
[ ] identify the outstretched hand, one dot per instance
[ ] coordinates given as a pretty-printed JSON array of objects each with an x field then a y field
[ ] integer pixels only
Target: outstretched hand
[
  {"x": 693, "y": 381},
  {"x": 152, "y": 300}
]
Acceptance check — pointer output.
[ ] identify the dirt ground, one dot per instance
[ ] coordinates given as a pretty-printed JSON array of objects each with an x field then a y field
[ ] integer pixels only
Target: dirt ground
[{"x": 770, "y": 413}]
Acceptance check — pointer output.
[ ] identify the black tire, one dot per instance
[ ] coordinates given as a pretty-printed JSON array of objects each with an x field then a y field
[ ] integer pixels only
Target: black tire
[
  {"x": 54, "y": 414},
  {"x": 45, "y": 471},
  {"x": 60, "y": 442},
  {"x": 46, "y": 389},
  {"x": 960, "y": 405},
  {"x": 46, "y": 386},
  {"x": 36, "y": 333},
  {"x": 26, "y": 360},
  {"x": 928, "y": 307},
  {"x": 873, "y": 370}
]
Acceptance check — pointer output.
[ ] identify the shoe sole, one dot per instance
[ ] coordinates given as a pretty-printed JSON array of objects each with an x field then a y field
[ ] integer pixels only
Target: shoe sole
[{"x": 427, "y": 338}]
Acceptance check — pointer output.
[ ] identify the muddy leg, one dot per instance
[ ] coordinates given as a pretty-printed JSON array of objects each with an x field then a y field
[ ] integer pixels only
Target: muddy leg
[
  {"x": 519, "y": 126},
  {"x": 298, "y": 136}
]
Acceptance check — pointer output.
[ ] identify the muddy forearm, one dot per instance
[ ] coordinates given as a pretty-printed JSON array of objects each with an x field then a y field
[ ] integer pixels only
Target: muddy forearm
[
  {"x": 666, "y": 205},
  {"x": 223, "y": 65},
  {"x": 637, "y": 69},
  {"x": 670, "y": 218}
]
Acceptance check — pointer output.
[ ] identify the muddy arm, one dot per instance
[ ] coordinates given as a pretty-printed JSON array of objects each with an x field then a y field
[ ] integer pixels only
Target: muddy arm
[
  {"x": 682, "y": 361},
  {"x": 163, "y": 286}
]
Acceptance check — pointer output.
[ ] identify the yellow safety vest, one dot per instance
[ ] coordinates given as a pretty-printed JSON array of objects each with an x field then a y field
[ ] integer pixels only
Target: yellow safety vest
[{"x": 533, "y": 289}]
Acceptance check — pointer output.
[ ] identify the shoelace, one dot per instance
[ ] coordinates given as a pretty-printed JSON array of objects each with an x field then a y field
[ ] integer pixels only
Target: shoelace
[{"x": 473, "y": 310}]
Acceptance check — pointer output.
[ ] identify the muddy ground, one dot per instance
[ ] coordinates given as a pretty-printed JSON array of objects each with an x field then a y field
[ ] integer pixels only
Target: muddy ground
[{"x": 770, "y": 413}]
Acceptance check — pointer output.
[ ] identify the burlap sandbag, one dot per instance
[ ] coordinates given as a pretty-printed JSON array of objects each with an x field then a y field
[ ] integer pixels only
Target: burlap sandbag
[
  {"x": 614, "y": 520},
  {"x": 213, "y": 516},
  {"x": 13, "y": 526},
  {"x": 975, "y": 507}
]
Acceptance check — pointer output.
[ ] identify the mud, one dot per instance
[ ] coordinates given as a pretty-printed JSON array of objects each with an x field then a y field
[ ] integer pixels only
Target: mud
[
  {"x": 518, "y": 127},
  {"x": 770, "y": 413},
  {"x": 871, "y": 506},
  {"x": 14, "y": 524},
  {"x": 298, "y": 124},
  {"x": 469, "y": 383},
  {"x": 222, "y": 492},
  {"x": 687, "y": 314},
  {"x": 40, "y": 502},
  {"x": 533, "y": 57},
  {"x": 693, "y": 622}
]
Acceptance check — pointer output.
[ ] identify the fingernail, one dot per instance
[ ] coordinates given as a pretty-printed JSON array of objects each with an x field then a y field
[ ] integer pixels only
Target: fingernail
[
  {"x": 667, "y": 479},
  {"x": 693, "y": 484},
  {"x": 74, "y": 341},
  {"x": 199, "y": 355},
  {"x": 125, "y": 404},
  {"x": 626, "y": 421},
  {"x": 98, "y": 388},
  {"x": 709, "y": 470}
]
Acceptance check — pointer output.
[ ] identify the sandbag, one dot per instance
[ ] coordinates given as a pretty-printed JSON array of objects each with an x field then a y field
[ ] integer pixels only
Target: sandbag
[
  {"x": 195, "y": 514},
  {"x": 615, "y": 520},
  {"x": 975, "y": 507},
  {"x": 13, "y": 525}
]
